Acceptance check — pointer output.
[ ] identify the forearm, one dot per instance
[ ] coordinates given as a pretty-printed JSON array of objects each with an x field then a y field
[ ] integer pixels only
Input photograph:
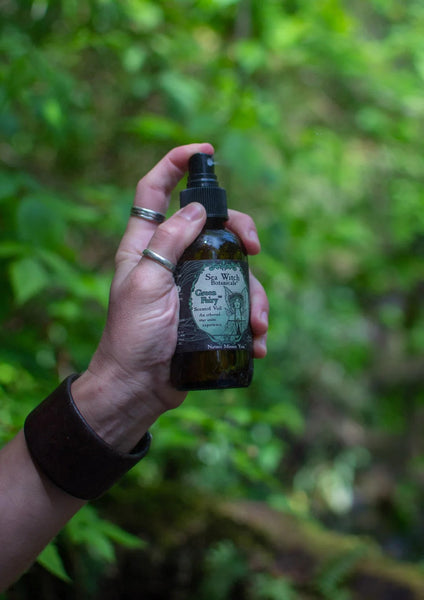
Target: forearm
[{"x": 32, "y": 510}]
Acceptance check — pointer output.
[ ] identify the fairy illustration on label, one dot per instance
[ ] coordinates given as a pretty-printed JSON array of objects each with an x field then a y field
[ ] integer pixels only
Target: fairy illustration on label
[{"x": 237, "y": 311}]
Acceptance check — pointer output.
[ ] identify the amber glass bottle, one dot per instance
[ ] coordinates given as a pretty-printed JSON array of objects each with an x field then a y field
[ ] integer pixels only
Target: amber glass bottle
[{"x": 214, "y": 346}]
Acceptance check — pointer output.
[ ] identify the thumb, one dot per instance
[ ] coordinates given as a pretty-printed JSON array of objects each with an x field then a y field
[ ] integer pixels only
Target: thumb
[{"x": 174, "y": 235}]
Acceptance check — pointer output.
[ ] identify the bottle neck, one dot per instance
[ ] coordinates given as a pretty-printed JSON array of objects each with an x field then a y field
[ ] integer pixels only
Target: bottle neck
[{"x": 215, "y": 223}]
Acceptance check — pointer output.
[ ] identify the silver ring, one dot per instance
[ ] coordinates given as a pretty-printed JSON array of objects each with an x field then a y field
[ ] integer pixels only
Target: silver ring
[
  {"x": 147, "y": 214},
  {"x": 159, "y": 259}
]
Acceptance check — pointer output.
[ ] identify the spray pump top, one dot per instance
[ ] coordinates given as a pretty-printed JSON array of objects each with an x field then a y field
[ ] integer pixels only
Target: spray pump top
[{"x": 203, "y": 187}]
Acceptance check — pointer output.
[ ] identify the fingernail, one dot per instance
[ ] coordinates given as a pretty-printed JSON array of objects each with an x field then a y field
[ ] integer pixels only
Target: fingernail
[
  {"x": 253, "y": 235},
  {"x": 262, "y": 341},
  {"x": 193, "y": 211},
  {"x": 264, "y": 318}
]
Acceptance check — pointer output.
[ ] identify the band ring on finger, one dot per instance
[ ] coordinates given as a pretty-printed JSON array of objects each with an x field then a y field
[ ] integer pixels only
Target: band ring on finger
[
  {"x": 147, "y": 214},
  {"x": 161, "y": 260}
]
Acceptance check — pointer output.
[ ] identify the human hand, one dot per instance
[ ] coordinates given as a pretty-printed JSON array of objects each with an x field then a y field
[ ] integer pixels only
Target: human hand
[{"x": 127, "y": 385}]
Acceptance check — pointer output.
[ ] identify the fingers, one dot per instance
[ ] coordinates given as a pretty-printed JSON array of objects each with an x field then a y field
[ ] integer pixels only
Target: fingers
[
  {"x": 259, "y": 310},
  {"x": 244, "y": 226},
  {"x": 154, "y": 189},
  {"x": 153, "y": 192},
  {"x": 178, "y": 232},
  {"x": 172, "y": 237}
]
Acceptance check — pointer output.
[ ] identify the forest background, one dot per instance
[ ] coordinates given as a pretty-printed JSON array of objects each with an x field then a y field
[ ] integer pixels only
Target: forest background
[{"x": 316, "y": 110}]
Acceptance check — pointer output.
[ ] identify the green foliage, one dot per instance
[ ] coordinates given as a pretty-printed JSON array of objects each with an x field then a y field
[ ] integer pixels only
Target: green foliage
[
  {"x": 98, "y": 536},
  {"x": 332, "y": 577},
  {"x": 50, "y": 559},
  {"x": 224, "y": 566},
  {"x": 88, "y": 543},
  {"x": 316, "y": 112},
  {"x": 271, "y": 588}
]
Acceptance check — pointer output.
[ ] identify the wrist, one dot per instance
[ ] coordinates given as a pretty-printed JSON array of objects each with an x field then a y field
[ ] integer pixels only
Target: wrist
[
  {"x": 69, "y": 452},
  {"x": 118, "y": 413},
  {"x": 109, "y": 409}
]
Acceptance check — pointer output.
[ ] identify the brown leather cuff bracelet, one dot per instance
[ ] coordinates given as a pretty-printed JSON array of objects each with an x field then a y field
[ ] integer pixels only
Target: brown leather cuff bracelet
[{"x": 70, "y": 452}]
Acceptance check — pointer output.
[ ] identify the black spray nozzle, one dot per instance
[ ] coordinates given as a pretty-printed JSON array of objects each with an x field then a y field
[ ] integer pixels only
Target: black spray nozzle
[
  {"x": 202, "y": 186},
  {"x": 201, "y": 171}
]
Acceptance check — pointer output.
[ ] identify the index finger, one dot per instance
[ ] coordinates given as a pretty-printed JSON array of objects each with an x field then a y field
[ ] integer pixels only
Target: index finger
[
  {"x": 154, "y": 189},
  {"x": 153, "y": 192}
]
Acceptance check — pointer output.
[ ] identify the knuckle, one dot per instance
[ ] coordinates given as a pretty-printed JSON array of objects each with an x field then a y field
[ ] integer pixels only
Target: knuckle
[
  {"x": 139, "y": 187},
  {"x": 166, "y": 234}
]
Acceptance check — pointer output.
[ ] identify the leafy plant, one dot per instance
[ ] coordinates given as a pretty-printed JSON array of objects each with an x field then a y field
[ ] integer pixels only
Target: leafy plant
[
  {"x": 333, "y": 576},
  {"x": 315, "y": 109},
  {"x": 224, "y": 566}
]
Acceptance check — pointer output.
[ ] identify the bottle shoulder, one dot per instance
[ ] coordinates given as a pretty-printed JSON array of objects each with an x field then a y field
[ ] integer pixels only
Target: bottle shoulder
[
  {"x": 214, "y": 243},
  {"x": 220, "y": 235}
]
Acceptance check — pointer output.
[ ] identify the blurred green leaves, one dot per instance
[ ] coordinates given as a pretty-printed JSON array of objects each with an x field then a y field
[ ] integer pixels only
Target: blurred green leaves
[
  {"x": 98, "y": 536},
  {"x": 316, "y": 113},
  {"x": 50, "y": 559},
  {"x": 28, "y": 277}
]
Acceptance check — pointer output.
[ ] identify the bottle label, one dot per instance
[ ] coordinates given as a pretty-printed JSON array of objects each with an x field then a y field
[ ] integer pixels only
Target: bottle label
[{"x": 214, "y": 305}]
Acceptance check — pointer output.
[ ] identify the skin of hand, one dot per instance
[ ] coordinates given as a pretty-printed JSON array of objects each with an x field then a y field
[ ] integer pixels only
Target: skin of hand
[{"x": 126, "y": 386}]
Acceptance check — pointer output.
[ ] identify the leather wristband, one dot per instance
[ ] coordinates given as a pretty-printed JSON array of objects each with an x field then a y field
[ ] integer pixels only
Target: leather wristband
[{"x": 69, "y": 451}]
